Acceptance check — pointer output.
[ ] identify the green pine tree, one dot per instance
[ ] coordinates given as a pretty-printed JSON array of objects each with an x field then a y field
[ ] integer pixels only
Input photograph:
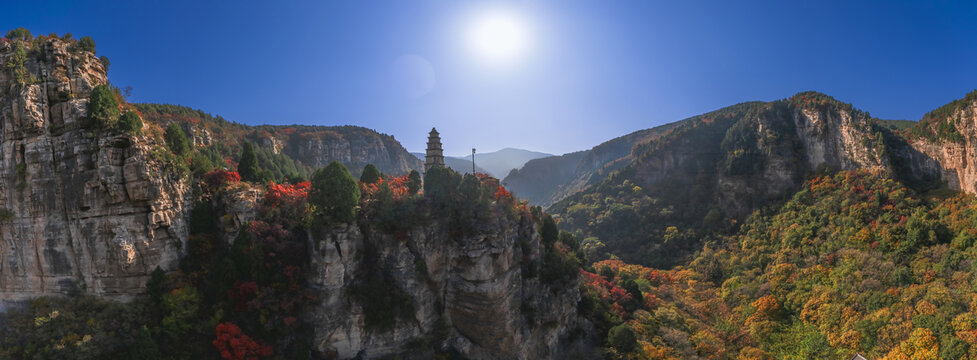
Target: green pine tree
[
  {"x": 176, "y": 140},
  {"x": 414, "y": 182},
  {"x": 335, "y": 194},
  {"x": 103, "y": 108},
  {"x": 248, "y": 166},
  {"x": 370, "y": 174}
]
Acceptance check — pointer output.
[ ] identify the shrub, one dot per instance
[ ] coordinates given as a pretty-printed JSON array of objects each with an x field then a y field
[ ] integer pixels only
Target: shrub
[
  {"x": 248, "y": 166},
  {"x": 16, "y": 64},
  {"x": 176, "y": 140},
  {"x": 130, "y": 123},
  {"x": 105, "y": 62},
  {"x": 219, "y": 178},
  {"x": 19, "y": 34},
  {"x": 103, "y": 107},
  {"x": 413, "y": 182},
  {"x": 370, "y": 174},
  {"x": 232, "y": 343},
  {"x": 622, "y": 338},
  {"x": 87, "y": 44},
  {"x": 335, "y": 194}
]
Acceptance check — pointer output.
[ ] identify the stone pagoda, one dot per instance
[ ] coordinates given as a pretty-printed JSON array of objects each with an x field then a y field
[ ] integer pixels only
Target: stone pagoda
[{"x": 435, "y": 155}]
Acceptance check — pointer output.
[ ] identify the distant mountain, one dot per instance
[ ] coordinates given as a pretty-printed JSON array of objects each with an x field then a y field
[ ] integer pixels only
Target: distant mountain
[
  {"x": 545, "y": 181},
  {"x": 463, "y": 166},
  {"x": 500, "y": 163},
  {"x": 496, "y": 163}
]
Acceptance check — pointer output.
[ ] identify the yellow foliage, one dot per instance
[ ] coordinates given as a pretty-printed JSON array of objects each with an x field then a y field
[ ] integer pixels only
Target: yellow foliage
[{"x": 921, "y": 345}]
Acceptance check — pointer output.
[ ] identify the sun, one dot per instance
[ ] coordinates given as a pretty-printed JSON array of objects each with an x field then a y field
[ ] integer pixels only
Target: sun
[{"x": 498, "y": 37}]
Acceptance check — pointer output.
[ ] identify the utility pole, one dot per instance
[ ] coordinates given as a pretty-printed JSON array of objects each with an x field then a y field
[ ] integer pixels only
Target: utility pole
[{"x": 473, "y": 161}]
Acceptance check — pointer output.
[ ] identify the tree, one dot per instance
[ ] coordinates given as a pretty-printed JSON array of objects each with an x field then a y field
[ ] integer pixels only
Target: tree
[
  {"x": 248, "y": 166},
  {"x": 413, "y": 182},
  {"x": 156, "y": 285},
  {"x": 439, "y": 183},
  {"x": 631, "y": 287},
  {"x": 103, "y": 107},
  {"x": 335, "y": 194},
  {"x": 622, "y": 338},
  {"x": 87, "y": 44},
  {"x": 144, "y": 347},
  {"x": 370, "y": 174},
  {"x": 105, "y": 62},
  {"x": 130, "y": 123},
  {"x": 19, "y": 34},
  {"x": 549, "y": 232},
  {"x": 176, "y": 140}
]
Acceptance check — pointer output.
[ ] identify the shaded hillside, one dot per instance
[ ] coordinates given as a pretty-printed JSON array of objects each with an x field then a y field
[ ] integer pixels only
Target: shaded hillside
[
  {"x": 705, "y": 175},
  {"x": 310, "y": 146},
  {"x": 545, "y": 181},
  {"x": 500, "y": 163},
  {"x": 853, "y": 263}
]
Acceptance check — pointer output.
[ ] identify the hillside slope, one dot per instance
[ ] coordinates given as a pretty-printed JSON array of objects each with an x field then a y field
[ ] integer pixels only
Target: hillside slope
[
  {"x": 500, "y": 163},
  {"x": 714, "y": 169},
  {"x": 311, "y": 146},
  {"x": 546, "y": 180}
]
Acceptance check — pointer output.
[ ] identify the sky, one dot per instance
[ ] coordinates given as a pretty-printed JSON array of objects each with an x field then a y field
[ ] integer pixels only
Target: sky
[{"x": 556, "y": 76}]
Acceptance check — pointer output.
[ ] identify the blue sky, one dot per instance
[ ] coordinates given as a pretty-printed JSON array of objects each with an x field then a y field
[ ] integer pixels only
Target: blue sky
[{"x": 592, "y": 71}]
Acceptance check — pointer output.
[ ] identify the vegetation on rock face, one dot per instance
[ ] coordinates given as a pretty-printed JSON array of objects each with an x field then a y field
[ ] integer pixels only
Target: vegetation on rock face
[
  {"x": 130, "y": 123},
  {"x": 16, "y": 64},
  {"x": 103, "y": 107},
  {"x": 20, "y": 33},
  {"x": 248, "y": 166},
  {"x": 941, "y": 124},
  {"x": 335, "y": 194},
  {"x": 852, "y": 263},
  {"x": 86, "y": 44},
  {"x": 176, "y": 140}
]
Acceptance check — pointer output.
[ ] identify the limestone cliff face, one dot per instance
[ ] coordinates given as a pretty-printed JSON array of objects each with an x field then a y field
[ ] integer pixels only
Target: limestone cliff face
[
  {"x": 952, "y": 161},
  {"x": 794, "y": 140},
  {"x": 351, "y": 145},
  {"x": 470, "y": 294},
  {"x": 80, "y": 209}
]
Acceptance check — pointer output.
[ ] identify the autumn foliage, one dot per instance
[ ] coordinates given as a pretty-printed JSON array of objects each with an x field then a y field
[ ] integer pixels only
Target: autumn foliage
[
  {"x": 218, "y": 178},
  {"x": 235, "y": 345}
]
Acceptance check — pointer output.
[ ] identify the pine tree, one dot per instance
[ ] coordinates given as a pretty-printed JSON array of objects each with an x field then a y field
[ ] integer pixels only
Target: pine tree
[
  {"x": 335, "y": 194},
  {"x": 130, "y": 123},
  {"x": 103, "y": 108},
  {"x": 370, "y": 174},
  {"x": 248, "y": 166},
  {"x": 414, "y": 182},
  {"x": 176, "y": 140}
]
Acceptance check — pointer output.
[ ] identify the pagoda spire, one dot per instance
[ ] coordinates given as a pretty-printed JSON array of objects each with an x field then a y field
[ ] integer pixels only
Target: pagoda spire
[{"x": 435, "y": 155}]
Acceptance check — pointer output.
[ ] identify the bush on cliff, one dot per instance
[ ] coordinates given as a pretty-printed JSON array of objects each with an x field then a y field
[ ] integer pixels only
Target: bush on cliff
[
  {"x": 176, "y": 140},
  {"x": 334, "y": 194},
  {"x": 103, "y": 107},
  {"x": 130, "y": 123},
  {"x": 248, "y": 166}
]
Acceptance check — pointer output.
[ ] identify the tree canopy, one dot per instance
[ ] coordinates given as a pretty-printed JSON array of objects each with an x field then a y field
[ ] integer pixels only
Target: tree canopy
[{"x": 334, "y": 194}]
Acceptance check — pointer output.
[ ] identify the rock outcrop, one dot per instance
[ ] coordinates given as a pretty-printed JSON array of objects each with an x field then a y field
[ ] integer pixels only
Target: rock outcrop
[
  {"x": 470, "y": 294},
  {"x": 951, "y": 159},
  {"x": 79, "y": 209}
]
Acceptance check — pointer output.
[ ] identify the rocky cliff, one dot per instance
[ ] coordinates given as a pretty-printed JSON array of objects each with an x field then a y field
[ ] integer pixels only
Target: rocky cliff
[
  {"x": 312, "y": 146},
  {"x": 708, "y": 172},
  {"x": 468, "y": 294},
  {"x": 80, "y": 209},
  {"x": 943, "y": 145},
  {"x": 544, "y": 181}
]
